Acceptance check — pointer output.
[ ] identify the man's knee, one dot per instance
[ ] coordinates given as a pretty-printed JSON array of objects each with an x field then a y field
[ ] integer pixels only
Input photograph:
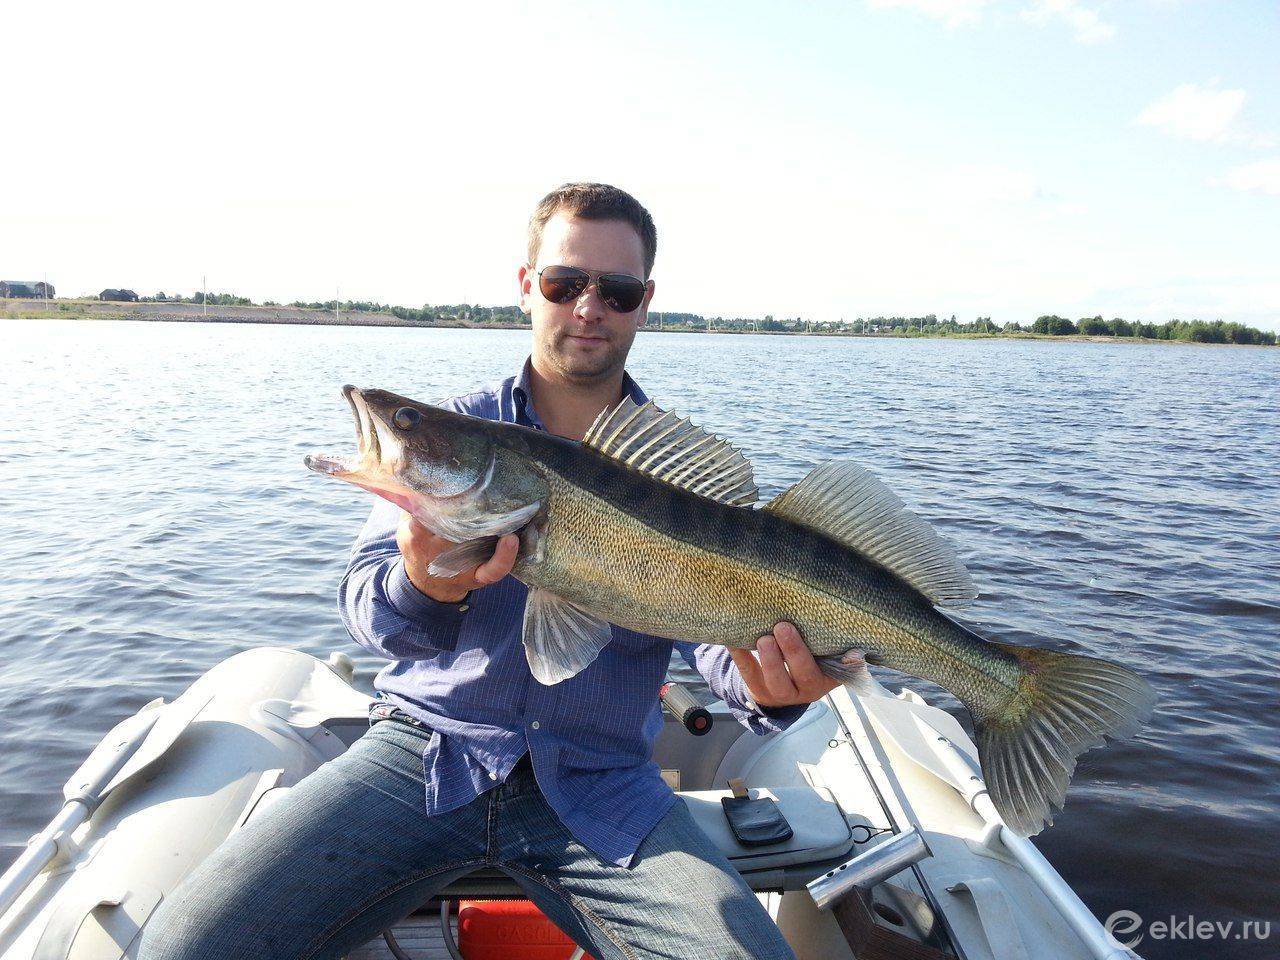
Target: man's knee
[
  {"x": 182, "y": 928},
  {"x": 229, "y": 908}
]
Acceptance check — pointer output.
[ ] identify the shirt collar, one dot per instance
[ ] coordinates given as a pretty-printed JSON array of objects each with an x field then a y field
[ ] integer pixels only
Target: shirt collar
[{"x": 523, "y": 396}]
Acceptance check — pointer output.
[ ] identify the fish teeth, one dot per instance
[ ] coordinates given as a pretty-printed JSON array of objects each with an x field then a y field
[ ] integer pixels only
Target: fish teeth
[{"x": 330, "y": 463}]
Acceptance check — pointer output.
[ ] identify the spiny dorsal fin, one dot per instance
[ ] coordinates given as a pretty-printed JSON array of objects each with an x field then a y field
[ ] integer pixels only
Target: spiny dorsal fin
[
  {"x": 670, "y": 448},
  {"x": 850, "y": 505}
]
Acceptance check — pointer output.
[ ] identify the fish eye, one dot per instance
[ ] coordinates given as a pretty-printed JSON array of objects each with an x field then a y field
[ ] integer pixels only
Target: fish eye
[{"x": 406, "y": 418}]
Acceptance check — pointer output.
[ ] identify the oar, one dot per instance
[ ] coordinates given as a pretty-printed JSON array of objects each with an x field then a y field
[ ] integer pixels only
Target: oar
[
  {"x": 82, "y": 794},
  {"x": 934, "y": 749}
]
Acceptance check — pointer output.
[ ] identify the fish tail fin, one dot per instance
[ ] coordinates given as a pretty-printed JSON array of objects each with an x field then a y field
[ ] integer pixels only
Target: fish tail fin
[{"x": 1066, "y": 704}]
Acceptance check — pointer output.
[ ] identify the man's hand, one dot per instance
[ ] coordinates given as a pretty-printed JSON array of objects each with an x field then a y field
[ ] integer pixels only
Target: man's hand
[
  {"x": 786, "y": 672},
  {"x": 420, "y": 546}
]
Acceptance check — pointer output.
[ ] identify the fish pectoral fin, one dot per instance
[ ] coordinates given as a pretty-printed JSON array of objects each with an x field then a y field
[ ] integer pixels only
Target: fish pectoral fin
[
  {"x": 850, "y": 668},
  {"x": 463, "y": 557},
  {"x": 560, "y": 638}
]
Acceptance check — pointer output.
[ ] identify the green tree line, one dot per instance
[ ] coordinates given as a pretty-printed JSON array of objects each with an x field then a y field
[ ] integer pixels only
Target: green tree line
[
  {"x": 218, "y": 299},
  {"x": 929, "y": 325},
  {"x": 428, "y": 313},
  {"x": 1192, "y": 331}
]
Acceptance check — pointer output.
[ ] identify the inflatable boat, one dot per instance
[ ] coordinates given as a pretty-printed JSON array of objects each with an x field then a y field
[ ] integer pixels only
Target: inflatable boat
[{"x": 895, "y": 849}]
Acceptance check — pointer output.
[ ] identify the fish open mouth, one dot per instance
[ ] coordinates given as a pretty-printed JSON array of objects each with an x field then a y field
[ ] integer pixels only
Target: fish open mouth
[
  {"x": 369, "y": 443},
  {"x": 379, "y": 462}
]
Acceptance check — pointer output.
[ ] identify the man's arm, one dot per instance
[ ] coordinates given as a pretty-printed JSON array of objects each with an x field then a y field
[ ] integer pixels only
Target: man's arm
[
  {"x": 769, "y": 694},
  {"x": 387, "y": 600}
]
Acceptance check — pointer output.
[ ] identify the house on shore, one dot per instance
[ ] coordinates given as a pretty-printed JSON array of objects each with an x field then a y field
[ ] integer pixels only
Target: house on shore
[
  {"x": 126, "y": 296},
  {"x": 26, "y": 289}
]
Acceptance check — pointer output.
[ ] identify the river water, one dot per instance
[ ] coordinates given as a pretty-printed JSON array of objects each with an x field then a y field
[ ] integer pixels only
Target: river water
[{"x": 1120, "y": 500}]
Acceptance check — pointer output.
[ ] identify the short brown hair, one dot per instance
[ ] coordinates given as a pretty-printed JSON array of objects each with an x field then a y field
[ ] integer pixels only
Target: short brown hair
[{"x": 594, "y": 201}]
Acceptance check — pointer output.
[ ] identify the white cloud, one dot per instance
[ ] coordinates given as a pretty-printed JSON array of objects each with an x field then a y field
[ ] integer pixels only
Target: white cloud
[
  {"x": 1088, "y": 26},
  {"x": 1193, "y": 112},
  {"x": 1263, "y": 176},
  {"x": 953, "y": 12}
]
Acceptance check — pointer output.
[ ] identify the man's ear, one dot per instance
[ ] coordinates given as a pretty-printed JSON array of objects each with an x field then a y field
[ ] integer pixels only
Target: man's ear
[
  {"x": 644, "y": 304},
  {"x": 525, "y": 277}
]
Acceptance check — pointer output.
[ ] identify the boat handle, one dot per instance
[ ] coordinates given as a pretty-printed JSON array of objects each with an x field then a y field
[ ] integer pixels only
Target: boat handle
[
  {"x": 62, "y": 930},
  {"x": 994, "y": 916},
  {"x": 685, "y": 708}
]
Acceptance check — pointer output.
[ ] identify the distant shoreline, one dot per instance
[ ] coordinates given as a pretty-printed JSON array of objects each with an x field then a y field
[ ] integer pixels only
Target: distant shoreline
[{"x": 159, "y": 312}]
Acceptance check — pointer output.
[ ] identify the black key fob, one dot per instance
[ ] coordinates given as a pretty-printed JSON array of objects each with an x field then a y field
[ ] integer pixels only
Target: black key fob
[{"x": 756, "y": 823}]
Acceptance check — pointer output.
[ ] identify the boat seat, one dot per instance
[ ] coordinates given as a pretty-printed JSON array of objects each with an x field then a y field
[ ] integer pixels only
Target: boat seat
[
  {"x": 820, "y": 833},
  {"x": 820, "y": 839}
]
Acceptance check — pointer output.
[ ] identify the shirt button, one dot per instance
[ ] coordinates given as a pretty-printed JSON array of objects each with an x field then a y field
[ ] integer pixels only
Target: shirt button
[
  {"x": 464, "y": 608},
  {"x": 492, "y": 775},
  {"x": 535, "y": 724}
]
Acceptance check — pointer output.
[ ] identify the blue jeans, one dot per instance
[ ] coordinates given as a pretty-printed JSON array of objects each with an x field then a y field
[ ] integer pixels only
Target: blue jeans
[{"x": 349, "y": 851}]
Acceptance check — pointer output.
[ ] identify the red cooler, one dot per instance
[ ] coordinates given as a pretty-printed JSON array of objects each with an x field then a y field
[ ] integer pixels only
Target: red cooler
[{"x": 509, "y": 930}]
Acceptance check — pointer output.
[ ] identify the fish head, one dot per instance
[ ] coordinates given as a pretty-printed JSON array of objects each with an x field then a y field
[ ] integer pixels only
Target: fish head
[{"x": 418, "y": 456}]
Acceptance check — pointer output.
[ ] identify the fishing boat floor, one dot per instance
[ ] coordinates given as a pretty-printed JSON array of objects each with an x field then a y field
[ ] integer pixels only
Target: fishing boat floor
[{"x": 418, "y": 936}]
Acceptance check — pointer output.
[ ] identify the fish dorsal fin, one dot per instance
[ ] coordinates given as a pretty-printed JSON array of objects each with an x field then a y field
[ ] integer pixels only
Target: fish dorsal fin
[
  {"x": 670, "y": 448},
  {"x": 848, "y": 504}
]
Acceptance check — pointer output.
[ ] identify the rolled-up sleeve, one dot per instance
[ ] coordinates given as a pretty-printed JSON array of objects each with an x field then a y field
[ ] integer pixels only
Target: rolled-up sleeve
[
  {"x": 381, "y": 608},
  {"x": 725, "y": 680}
]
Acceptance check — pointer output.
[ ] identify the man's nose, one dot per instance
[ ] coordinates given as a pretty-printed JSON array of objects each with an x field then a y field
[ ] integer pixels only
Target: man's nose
[{"x": 590, "y": 306}]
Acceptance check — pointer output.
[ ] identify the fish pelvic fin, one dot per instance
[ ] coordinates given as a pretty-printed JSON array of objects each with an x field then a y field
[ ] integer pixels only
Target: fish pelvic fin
[
  {"x": 560, "y": 638},
  {"x": 1066, "y": 704}
]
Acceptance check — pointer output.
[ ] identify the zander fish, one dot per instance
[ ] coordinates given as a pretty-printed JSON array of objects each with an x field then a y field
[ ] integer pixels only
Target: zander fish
[{"x": 649, "y": 524}]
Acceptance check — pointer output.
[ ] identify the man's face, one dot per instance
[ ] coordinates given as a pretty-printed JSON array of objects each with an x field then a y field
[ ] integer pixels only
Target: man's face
[{"x": 583, "y": 340}]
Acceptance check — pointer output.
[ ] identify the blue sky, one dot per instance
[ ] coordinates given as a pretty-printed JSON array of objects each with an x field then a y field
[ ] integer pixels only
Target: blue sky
[{"x": 975, "y": 157}]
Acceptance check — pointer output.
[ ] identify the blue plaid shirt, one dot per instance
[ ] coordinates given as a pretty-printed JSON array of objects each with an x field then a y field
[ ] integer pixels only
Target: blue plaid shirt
[{"x": 461, "y": 670}]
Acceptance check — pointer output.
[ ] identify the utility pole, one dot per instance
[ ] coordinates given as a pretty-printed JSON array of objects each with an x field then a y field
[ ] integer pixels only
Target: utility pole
[
  {"x": 337, "y": 291},
  {"x": 204, "y": 295}
]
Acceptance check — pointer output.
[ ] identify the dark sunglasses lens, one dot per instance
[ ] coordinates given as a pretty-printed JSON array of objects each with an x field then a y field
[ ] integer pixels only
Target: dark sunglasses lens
[
  {"x": 562, "y": 284},
  {"x": 621, "y": 292}
]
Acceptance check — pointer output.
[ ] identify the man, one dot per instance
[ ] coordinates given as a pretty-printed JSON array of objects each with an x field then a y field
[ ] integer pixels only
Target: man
[{"x": 471, "y": 763}]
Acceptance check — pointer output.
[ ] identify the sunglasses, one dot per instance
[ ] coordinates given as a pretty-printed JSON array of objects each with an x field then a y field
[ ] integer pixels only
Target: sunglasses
[{"x": 620, "y": 291}]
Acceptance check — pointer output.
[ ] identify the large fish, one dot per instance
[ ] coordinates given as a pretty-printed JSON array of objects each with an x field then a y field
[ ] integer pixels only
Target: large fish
[{"x": 649, "y": 523}]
